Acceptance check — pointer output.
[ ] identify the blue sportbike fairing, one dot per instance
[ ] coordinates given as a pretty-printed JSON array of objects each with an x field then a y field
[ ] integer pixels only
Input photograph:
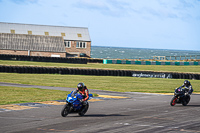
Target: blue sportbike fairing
[{"x": 74, "y": 105}]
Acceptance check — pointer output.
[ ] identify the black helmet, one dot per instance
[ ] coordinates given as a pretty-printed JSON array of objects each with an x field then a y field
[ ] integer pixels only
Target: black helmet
[
  {"x": 186, "y": 82},
  {"x": 80, "y": 86}
]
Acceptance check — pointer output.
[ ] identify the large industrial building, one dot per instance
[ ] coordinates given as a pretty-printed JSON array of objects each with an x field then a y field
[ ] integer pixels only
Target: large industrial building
[{"x": 43, "y": 40}]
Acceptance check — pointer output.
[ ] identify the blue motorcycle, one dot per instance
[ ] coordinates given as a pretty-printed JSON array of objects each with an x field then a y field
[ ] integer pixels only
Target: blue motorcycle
[{"x": 73, "y": 105}]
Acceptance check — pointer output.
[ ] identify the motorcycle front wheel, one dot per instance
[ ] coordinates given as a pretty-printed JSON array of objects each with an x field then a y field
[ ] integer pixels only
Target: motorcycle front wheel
[
  {"x": 65, "y": 110},
  {"x": 173, "y": 101}
]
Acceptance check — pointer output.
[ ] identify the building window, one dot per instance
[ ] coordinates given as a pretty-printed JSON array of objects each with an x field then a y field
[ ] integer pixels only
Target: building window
[
  {"x": 30, "y": 32},
  {"x": 62, "y": 34},
  {"x": 79, "y": 35},
  {"x": 67, "y": 44},
  {"x": 46, "y": 33},
  {"x": 12, "y": 31},
  {"x": 81, "y": 44}
]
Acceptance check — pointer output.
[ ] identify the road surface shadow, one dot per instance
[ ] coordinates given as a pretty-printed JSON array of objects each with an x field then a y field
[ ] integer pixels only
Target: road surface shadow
[
  {"x": 193, "y": 105},
  {"x": 101, "y": 115}
]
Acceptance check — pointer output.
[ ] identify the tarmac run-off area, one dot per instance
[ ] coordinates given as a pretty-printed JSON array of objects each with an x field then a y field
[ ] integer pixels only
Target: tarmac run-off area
[{"x": 110, "y": 112}]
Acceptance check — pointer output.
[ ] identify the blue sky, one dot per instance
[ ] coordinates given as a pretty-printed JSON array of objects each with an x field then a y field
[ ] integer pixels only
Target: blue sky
[{"x": 160, "y": 24}]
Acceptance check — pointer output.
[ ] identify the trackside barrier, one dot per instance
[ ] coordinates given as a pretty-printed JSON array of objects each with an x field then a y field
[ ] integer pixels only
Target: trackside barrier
[
  {"x": 106, "y": 61},
  {"x": 50, "y": 59},
  {"x": 97, "y": 72},
  {"x": 43, "y": 59},
  {"x": 93, "y": 60}
]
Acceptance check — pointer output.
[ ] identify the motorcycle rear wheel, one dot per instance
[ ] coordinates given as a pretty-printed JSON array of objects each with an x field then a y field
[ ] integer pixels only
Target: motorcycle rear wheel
[
  {"x": 188, "y": 99},
  {"x": 84, "y": 110},
  {"x": 184, "y": 102},
  {"x": 173, "y": 101},
  {"x": 65, "y": 110}
]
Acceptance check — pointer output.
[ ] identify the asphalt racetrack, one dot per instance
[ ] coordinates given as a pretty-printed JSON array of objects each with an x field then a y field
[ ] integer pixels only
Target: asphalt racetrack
[{"x": 134, "y": 113}]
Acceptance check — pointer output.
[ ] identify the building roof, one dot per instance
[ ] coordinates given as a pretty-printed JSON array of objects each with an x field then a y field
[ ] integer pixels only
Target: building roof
[
  {"x": 68, "y": 33},
  {"x": 10, "y": 41}
]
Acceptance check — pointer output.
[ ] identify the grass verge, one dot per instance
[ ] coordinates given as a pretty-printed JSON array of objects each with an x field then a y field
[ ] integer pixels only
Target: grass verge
[
  {"x": 110, "y": 83},
  {"x": 11, "y": 95}
]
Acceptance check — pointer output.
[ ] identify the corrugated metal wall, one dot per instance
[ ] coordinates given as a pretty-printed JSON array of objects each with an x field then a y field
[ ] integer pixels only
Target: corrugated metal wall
[{"x": 31, "y": 42}]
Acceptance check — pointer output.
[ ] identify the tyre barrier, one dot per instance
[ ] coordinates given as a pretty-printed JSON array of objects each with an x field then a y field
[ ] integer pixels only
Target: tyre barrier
[
  {"x": 44, "y": 59},
  {"x": 93, "y": 60},
  {"x": 96, "y": 72}
]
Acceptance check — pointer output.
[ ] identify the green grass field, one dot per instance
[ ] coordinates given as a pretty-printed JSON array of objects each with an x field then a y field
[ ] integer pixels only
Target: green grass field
[
  {"x": 11, "y": 95},
  {"x": 110, "y": 83}
]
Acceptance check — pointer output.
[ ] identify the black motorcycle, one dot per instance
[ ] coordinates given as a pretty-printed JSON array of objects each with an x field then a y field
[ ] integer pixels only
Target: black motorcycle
[{"x": 181, "y": 97}]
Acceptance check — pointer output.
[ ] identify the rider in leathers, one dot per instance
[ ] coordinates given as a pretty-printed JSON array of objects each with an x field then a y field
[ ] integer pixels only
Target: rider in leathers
[
  {"x": 188, "y": 87},
  {"x": 82, "y": 89}
]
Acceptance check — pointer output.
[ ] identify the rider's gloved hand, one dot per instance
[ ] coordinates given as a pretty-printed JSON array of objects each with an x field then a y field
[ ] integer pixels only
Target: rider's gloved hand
[
  {"x": 186, "y": 93},
  {"x": 81, "y": 100}
]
